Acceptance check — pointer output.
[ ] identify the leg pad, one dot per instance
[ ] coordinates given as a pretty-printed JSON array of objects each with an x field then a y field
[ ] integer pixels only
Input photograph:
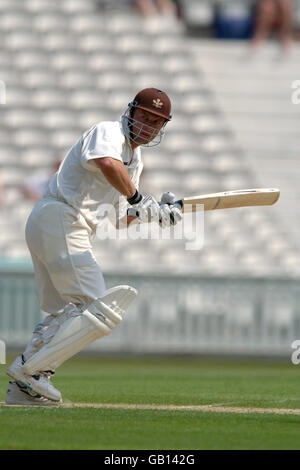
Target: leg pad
[{"x": 81, "y": 330}]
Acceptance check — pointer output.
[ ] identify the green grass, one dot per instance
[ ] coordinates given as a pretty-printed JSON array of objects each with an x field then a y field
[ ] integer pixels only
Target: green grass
[{"x": 178, "y": 381}]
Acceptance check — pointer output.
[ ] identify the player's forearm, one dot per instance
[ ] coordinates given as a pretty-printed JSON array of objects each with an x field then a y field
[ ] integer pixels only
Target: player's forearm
[{"x": 116, "y": 174}]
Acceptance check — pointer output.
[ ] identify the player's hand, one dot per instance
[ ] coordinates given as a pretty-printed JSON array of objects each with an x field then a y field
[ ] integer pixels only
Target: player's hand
[
  {"x": 146, "y": 210},
  {"x": 170, "y": 213}
]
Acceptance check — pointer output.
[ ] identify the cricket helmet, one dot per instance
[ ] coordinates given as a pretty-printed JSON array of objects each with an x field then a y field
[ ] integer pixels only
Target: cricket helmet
[{"x": 153, "y": 101}]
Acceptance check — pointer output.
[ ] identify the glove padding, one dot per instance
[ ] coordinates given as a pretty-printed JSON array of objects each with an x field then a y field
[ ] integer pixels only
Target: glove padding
[
  {"x": 147, "y": 210},
  {"x": 170, "y": 214}
]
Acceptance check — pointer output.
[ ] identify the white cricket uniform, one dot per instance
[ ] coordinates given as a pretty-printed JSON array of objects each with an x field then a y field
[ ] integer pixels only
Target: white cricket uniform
[{"x": 60, "y": 227}]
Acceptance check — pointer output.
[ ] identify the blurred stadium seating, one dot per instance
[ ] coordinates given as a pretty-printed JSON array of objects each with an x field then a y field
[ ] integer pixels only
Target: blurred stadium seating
[{"x": 68, "y": 64}]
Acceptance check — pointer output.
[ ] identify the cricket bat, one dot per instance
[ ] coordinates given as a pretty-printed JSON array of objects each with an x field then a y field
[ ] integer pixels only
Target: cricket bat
[{"x": 230, "y": 199}]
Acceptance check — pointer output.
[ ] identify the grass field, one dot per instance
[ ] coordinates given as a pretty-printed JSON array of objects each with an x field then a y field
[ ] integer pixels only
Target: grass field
[{"x": 159, "y": 381}]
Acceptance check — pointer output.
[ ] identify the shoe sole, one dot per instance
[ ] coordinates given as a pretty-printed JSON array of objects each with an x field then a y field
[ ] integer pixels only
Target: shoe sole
[
  {"x": 19, "y": 395},
  {"x": 15, "y": 377}
]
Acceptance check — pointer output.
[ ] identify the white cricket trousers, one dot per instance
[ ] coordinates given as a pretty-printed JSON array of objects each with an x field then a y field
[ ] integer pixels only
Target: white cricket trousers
[{"x": 66, "y": 270}]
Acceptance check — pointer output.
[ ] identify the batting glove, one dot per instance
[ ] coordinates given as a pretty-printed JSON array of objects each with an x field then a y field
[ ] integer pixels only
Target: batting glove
[
  {"x": 145, "y": 208},
  {"x": 170, "y": 213}
]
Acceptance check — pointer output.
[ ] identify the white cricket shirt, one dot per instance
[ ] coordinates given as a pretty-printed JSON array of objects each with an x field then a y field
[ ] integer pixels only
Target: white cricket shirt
[{"x": 80, "y": 183}]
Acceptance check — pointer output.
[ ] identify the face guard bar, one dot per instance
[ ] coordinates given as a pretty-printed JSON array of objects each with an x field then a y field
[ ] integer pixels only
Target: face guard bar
[{"x": 152, "y": 136}]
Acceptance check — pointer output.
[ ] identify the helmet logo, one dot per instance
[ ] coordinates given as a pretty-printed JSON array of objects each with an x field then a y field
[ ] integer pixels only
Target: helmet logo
[{"x": 157, "y": 103}]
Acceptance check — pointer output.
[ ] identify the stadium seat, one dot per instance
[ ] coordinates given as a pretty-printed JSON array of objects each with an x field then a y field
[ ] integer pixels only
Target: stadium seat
[
  {"x": 44, "y": 6},
  {"x": 22, "y": 40},
  {"x": 37, "y": 157},
  {"x": 50, "y": 98},
  {"x": 76, "y": 7},
  {"x": 61, "y": 41},
  {"x": 192, "y": 102},
  {"x": 8, "y": 155},
  {"x": 31, "y": 59},
  {"x": 47, "y": 22},
  {"x": 86, "y": 23},
  {"x": 29, "y": 136},
  {"x": 40, "y": 78},
  {"x": 13, "y": 20},
  {"x": 124, "y": 24}
]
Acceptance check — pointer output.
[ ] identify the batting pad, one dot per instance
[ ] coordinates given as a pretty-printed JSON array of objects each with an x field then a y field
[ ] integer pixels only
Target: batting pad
[{"x": 78, "y": 332}]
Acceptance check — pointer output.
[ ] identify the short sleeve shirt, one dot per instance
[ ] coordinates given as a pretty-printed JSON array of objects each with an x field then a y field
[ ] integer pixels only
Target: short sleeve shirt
[{"x": 80, "y": 183}]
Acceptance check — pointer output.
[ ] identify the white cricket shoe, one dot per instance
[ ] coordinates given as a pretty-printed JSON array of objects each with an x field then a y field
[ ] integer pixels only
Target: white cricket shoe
[
  {"x": 39, "y": 383},
  {"x": 18, "y": 394}
]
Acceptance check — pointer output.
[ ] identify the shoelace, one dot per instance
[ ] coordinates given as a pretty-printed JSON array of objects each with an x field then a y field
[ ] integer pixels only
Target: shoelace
[{"x": 47, "y": 373}]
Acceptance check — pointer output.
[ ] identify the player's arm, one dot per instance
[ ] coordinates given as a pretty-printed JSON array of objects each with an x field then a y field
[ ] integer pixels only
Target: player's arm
[
  {"x": 146, "y": 207},
  {"x": 116, "y": 174}
]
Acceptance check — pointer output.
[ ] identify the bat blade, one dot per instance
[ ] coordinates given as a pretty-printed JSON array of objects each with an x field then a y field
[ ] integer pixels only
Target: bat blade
[{"x": 230, "y": 199}]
